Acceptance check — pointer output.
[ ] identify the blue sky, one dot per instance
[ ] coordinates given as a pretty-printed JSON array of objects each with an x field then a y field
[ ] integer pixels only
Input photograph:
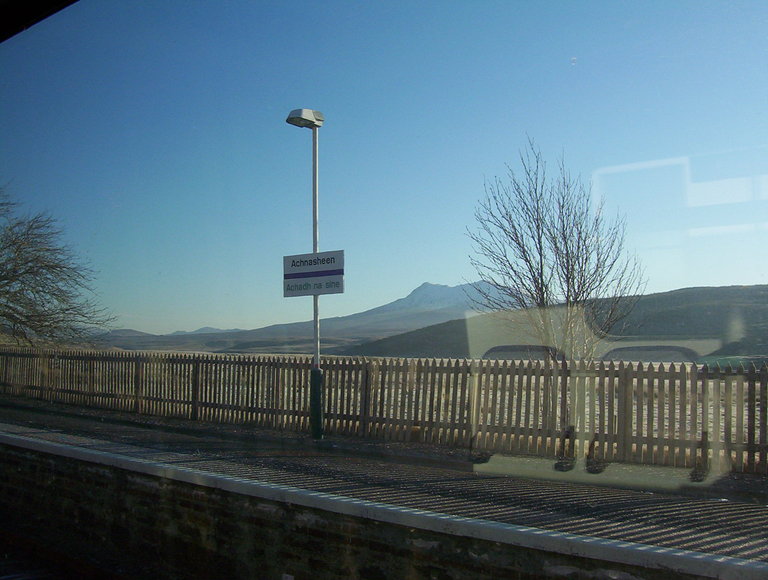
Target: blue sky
[{"x": 155, "y": 133}]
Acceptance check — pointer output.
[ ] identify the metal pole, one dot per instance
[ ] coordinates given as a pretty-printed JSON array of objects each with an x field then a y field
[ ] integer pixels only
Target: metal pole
[
  {"x": 315, "y": 241},
  {"x": 316, "y": 375}
]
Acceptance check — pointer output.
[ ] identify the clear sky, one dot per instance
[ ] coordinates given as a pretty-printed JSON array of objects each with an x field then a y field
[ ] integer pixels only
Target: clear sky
[{"x": 155, "y": 133}]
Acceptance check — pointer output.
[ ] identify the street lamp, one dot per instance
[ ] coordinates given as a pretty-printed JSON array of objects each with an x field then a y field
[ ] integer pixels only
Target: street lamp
[
  {"x": 313, "y": 120},
  {"x": 305, "y": 118}
]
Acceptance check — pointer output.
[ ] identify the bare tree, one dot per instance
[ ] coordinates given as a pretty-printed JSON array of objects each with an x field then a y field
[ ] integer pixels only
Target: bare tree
[
  {"x": 542, "y": 248},
  {"x": 44, "y": 289}
]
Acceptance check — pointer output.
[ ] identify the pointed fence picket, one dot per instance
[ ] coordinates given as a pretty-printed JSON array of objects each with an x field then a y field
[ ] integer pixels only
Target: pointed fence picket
[{"x": 663, "y": 414}]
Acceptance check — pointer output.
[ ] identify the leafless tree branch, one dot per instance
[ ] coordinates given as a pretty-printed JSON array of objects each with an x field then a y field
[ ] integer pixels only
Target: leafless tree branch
[
  {"x": 542, "y": 247},
  {"x": 45, "y": 292}
]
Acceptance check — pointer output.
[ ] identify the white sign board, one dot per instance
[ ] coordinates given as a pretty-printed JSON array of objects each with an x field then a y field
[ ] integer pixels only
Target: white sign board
[{"x": 313, "y": 274}]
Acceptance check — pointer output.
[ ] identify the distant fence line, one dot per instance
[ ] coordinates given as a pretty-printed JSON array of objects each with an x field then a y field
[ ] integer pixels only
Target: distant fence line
[{"x": 663, "y": 414}]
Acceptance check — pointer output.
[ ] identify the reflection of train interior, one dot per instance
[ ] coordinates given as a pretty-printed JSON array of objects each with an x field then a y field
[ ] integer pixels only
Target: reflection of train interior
[
  {"x": 512, "y": 336},
  {"x": 523, "y": 352},
  {"x": 654, "y": 353}
]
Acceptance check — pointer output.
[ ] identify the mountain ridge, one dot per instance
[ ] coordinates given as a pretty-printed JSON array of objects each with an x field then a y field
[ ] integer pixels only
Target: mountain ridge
[
  {"x": 432, "y": 320},
  {"x": 722, "y": 321},
  {"x": 426, "y": 305},
  {"x": 203, "y": 330}
]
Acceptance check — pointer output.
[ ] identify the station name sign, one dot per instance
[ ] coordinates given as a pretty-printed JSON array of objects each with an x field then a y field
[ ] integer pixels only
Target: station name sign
[{"x": 313, "y": 274}]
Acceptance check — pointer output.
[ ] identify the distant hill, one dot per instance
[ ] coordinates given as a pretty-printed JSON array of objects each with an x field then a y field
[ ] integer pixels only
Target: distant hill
[
  {"x": 124, "y": 333},
  {"x": 439, "y": 321},
  {"x": 426, "y": 305},
  {"x": 204, "y": 330},
  {"x": 445, "y": 340},
  {"x": 717, "y": 321},
  {"x": 727, "y": 312}
]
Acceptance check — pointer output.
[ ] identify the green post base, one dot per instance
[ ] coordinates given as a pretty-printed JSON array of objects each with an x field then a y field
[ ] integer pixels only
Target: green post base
[{"x": 316, "y": 403}]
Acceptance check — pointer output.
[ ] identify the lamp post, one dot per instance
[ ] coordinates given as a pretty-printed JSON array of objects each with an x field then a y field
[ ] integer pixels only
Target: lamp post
[{"x": 313, "y": 120}]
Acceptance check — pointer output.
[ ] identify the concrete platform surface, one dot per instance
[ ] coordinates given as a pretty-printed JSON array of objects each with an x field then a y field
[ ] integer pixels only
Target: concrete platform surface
[{"x": 722, "y": 517}]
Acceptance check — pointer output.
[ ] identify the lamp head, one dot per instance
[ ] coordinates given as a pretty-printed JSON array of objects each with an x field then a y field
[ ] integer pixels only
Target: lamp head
[{"x": 305, "y": 118}]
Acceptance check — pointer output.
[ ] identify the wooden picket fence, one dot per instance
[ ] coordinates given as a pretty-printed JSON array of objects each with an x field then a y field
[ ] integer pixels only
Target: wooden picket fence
[{"x": 662, "y": 414}]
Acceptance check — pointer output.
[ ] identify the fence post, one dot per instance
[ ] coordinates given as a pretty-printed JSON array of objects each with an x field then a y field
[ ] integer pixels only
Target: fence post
[
  {"x": 763, "y": 420},
  {"x": 564, "y": 450},
  {"x": 195, "y": 395},
  {"x": 48, "y": 386},
  {"x": 365, "y": 393},
  {"x": 89, "y": 364},
  {"x": 6, "y": 357},
  {"x": 138, "y": 373},
  {"x": 625, "y": 412},
  {"x": 474, "y": 404}
]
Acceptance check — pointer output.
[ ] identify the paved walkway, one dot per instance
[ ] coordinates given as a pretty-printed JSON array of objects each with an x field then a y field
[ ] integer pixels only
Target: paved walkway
[{"x": 727, "y": 517}]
